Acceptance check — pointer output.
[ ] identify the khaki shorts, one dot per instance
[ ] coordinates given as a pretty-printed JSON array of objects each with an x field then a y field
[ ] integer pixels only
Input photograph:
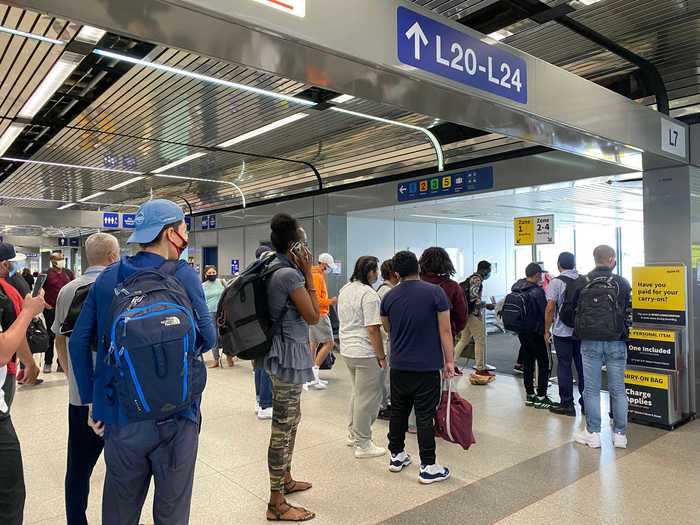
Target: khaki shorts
[{"x": 321, "y": 332}]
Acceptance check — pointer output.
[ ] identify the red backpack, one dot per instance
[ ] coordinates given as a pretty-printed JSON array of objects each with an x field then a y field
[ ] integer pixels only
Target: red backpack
[{"x": 453, "y": 421}]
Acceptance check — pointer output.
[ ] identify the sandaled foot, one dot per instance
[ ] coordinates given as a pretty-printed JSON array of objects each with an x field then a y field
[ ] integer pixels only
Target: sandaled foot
[
  {"x": 286, "y": 512},
  {"x": 292, "y": 486},
  {"x": 213, "y": 364}
]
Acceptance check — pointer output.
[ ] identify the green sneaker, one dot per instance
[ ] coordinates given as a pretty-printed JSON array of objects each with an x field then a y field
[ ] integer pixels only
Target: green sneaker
[
  {"x": 545, "y": 402},
  {"x": 530, "y": 400}
]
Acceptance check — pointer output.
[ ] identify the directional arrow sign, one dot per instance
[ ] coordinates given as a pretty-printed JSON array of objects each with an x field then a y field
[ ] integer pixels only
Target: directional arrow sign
[
  {"x": 402, "y": 189},
  {"x": 440, "y": 49},
  {"x": 416, "y": 32}
]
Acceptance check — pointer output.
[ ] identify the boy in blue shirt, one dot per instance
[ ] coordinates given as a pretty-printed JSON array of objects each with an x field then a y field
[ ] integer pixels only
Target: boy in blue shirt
[{"x": 136, "y": 450}]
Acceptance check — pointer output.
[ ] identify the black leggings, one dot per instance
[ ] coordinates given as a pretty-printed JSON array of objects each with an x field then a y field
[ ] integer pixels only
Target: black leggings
[
  {"x": 534, "y": 350},
  {"x": 12, "y": 491}
]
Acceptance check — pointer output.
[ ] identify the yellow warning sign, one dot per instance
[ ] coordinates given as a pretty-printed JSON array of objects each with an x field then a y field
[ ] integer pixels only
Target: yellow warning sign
[
  {"x": 645, "y": 334},
  {"x": 648, "y": 379},
  {"x": 524, "y": 230},
  {"x": 658, "y": 294}
]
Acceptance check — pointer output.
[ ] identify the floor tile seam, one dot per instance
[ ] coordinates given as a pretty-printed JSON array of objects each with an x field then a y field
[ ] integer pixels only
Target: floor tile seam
[
  {"x": 237, "y": 484},
  {"x": 595, "y": 467}
]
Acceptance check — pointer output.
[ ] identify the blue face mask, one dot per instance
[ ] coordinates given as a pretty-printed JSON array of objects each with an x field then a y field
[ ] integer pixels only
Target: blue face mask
[
  {"x": 487, "y": 275},
  {"x": 12, "y": 271}
]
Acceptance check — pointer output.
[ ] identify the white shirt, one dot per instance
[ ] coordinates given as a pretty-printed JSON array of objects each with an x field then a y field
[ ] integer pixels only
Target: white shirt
[
  {"x": 358, "y": 308},
  {"x": 3, "y": 375}
]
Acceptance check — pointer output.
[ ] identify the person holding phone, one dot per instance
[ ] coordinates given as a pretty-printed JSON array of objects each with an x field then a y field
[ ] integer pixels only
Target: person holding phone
[
  {"x": 291, "y": 300},
  {"x": 363, "y": 351}
]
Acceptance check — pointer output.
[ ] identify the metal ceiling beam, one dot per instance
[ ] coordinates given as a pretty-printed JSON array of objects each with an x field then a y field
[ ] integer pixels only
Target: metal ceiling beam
[{"x": 351, "y": 47}]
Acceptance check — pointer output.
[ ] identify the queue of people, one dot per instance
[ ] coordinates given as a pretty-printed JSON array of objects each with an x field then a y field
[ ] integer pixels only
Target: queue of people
[{"x": 399, "y": 341}]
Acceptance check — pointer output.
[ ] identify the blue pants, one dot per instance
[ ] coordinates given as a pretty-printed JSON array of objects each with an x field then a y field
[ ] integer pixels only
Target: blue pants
[
  {"x": 84, "y": 449},
  {"x": 568, "y": 352},
  {"x": 614, "y": 355},
  {"x": 263, "y": 388},
  {"x": 165, "y": 450}
]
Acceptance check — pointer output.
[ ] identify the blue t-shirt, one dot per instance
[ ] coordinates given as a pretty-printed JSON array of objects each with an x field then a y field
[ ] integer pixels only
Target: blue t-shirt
[{"x": 412, "y": 309}]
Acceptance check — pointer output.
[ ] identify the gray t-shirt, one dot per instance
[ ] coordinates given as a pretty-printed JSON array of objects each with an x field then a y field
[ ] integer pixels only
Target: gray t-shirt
[
  {"x": 283, "y": 282},
  {"x": 555, "y": 292},
  {"x": 65, "y": 298}
]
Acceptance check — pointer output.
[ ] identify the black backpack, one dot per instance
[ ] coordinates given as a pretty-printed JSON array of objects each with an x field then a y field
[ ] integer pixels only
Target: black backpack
[
  {"x": 243, "y": 314},
  {"x": 598, "y": 316},
  {"x": 74, "y": 309},
  {"x": 567, "y": 310},
  {"x": 518, "y": 313}
]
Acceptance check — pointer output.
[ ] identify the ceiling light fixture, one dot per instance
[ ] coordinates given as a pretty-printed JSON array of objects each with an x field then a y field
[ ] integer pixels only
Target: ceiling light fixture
[
  {"x": 89, "y": 197},
  {"x": 11, "y": 133},
  {"x": 60, "y": 71},
  {"x": 341, "y": 99},
  {"x": 17, "y": 32},
  {"x": 588, "y": 2},
  {"x": 125, "y": 183},
  {"x": 433, "y": 139},
  {"x": 74, "y": 166},
  {"x": 90, "y": 35},
  {"x": 205, "y": 78},
  {"x": 178, "y": 162},
  {"x": 29, "y": 198},
  {"x": 66, "y": 206},
  {"x": 500, "y": 34},
  {"x": 265, "y": 129},
  {"x": 460, "y": 219},
  {"x": 198, "y": 179}
]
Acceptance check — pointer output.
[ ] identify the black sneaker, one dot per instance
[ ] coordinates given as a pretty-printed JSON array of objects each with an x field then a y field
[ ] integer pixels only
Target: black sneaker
[
  {"x": 545, "y": 402},
  {"x": 563, "y": 410},
  {"x": 518, "y": 369},
  {"x": 385, "y": 414},
  {"x": 530, "y": 400}
]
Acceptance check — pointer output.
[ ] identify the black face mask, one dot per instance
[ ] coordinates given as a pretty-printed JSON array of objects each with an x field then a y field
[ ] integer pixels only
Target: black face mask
[{"x": 211, "y": 278}]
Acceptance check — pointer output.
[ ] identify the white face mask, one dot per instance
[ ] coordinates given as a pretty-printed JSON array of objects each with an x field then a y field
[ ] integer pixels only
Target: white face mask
[{"x": 61, "y": 263}]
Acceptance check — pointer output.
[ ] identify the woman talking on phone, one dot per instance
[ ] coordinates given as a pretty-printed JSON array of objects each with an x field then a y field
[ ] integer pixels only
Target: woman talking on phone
[{"x": 291, "y": 298}]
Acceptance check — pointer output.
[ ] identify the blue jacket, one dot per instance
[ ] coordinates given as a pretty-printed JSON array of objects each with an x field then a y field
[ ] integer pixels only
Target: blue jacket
[{"x": 93, "y": 384}]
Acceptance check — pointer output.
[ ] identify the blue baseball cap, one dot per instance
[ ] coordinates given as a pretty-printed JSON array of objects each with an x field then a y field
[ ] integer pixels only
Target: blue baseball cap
[{"x": 151, "y": 217}]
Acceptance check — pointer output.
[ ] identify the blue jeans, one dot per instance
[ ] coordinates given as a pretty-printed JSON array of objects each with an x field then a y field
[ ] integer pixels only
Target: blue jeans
[
  {"x": 568, "y": 352},
  {"x": 614, "y": 355},
  {"x": 263, "y": 388}
]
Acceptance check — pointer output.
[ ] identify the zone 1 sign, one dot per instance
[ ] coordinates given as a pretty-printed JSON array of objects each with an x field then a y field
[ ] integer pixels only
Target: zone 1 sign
[{"x": 538, "y": 229}]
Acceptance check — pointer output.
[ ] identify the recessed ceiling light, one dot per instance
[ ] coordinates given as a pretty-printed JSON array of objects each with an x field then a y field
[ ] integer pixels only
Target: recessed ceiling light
[
  {"x": 90, "y": 35},
  {"x": 180, "y": 161},
  {"x": 205, "y": 78},
  {"x": 17, "y": 32},
  {"x": 52, "y": 81},
  {"x": 7, "y": 138},
  {"x": 433, "y": 139},
  {"x": 98, "y": 194},
  {"x": 125, "y": 183},
  {"x": 341, "y": 99},
  {"x": 199, "y": 179},
  {"x": 500, "y": 34},
  {"x": 74, "y": 166},
  {"x": 265, "y": 129},
  {"x": 66, "y": 206}
]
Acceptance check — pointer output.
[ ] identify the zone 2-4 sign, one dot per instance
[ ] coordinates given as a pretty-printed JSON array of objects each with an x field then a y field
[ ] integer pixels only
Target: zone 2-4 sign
[{"x": 534, "y": 230}]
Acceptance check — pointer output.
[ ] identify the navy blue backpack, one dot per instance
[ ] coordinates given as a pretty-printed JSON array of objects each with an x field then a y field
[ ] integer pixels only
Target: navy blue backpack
[{"x": 157, "y": 368}]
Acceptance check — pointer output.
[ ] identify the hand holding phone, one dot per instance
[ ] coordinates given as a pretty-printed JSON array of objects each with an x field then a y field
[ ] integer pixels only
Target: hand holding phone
[{"x": 39, "y": 284}]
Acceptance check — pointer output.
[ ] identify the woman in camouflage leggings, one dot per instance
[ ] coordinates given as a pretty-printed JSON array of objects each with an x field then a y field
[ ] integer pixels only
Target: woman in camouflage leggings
[{"x": 291, "y": 298}]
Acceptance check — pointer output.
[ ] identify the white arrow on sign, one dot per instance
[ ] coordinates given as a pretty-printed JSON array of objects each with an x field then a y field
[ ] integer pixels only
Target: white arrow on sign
[
  {"x": 402, "y": 189},
  {"x": 416, "y": 32}
]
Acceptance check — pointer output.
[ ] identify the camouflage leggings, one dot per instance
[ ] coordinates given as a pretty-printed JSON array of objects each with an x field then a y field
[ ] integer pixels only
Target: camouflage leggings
[{"x": 286, "y": 413}]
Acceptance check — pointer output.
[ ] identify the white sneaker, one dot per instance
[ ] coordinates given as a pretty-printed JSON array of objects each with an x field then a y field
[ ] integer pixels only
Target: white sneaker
[
  {"x": 619, "y": 440},
  {"x": 257, "y": 407},
  {"x": 323, "y": 382},
  {"x": 590, "y": 439},
  {"x": 318, "y": 385},
  {"x": 433, "y": 474},
  {"x": 399, "y": 461},
  {"x": 265, "y": 413},
  {"x": 350, "y": 441},
  {"x": 370, "y": 451}
]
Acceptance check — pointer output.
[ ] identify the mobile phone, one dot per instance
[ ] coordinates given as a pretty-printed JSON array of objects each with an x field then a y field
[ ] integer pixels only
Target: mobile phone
[{"x": 39, "y": 284}]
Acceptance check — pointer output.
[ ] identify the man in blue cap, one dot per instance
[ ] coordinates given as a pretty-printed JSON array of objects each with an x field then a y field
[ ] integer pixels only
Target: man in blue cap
[{"x": 136, "y": 450}]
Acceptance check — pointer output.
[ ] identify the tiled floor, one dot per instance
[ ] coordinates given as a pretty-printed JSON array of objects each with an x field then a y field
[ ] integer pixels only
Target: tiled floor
[{"x": 523, "y": 469}]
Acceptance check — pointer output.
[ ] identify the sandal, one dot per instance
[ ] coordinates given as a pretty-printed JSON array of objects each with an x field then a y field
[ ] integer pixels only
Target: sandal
[
  {"x": 293, "y": 486},
  {"x": 275, "y": 514}
]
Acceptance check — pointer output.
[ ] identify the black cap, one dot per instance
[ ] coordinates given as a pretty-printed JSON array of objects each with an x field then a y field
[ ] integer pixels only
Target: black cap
[
  {"x": 7, "y": 253},
  {"x": 532, "y": 269},
  {"x": 567, "y": 260}
]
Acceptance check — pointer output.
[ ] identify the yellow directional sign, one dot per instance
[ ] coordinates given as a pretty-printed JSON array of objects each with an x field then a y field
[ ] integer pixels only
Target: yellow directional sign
[{"x": 534, "y": 230}]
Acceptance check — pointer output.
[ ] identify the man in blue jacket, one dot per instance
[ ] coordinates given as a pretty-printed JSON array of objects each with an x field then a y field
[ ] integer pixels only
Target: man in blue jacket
[{"x": 136, "y": 450}]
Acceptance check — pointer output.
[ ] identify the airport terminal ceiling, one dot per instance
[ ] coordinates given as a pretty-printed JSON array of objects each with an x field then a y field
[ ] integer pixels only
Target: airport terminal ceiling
[{"x": 112, "y": 133}]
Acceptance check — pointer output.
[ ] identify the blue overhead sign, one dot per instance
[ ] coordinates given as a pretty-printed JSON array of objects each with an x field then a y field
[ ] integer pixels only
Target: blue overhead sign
[
  {"x": 478, "y": 179},
  {"x": 188, "y": 222},
  {"x": 110, "y": 220},
  {"x": 128, "y": 220},
  {"x": 212, "y": 222},
  {"x": 74, "y": 242},
  {"x": 442, "y": 50},
  {"x": 235, "y": 266},
  {"x": 205, "y": 222}
]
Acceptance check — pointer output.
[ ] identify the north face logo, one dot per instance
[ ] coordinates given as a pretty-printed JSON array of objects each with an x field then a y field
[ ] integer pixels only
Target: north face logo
[{"x": 170, "y": 321}]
